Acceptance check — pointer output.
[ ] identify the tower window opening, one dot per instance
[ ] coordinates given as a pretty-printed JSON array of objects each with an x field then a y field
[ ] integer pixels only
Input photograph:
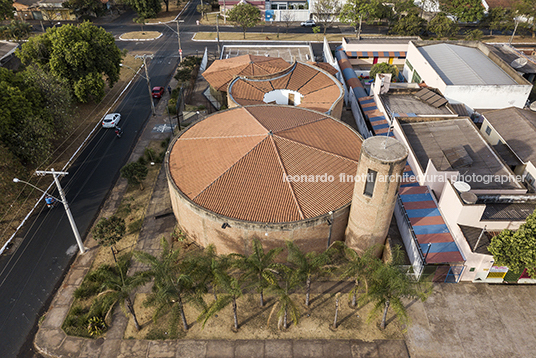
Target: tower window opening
[{"x": 371, "y": 181}]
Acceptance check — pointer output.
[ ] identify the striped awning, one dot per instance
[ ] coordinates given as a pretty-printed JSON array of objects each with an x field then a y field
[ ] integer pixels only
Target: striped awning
[
  {"x": 433, "y": 235},
  {"x": 389, "y": 54}
]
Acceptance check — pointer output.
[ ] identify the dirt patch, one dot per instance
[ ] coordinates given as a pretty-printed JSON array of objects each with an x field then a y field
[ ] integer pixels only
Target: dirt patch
[
  {"x": 142, "y": 35},
  {"x": 166, "y": 16},
  {"x": 253, "y": 321}
]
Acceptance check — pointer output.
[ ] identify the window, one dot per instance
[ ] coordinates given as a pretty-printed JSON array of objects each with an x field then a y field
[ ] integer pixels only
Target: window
[
  {"x": 274, "y": 6},
  {"x": 409, "y": 65},
  {"x": 416, "y": 78},
  {"x": 371, "y": 180},
  {"x": 488, "y": 130}
]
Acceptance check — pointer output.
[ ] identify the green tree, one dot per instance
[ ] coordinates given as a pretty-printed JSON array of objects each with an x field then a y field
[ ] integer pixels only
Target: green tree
[
  {"x": 16, "y": 31},
  {"x": 527, "y": 9},
  {"x": 464, "y": 10},
  {"x": 473, "y": 35},
  {"x": 6, "y": 9},
  {"x": 355, "y": 11},
  {"x": 204, "y": 9},
  {"x": 117, "y": 287},
  {"x": 85, "y": 8},
  {"x": 84, "y": 55},
  {"x": 286, "y": 282},
  {"x": 358, "y": 268},
  {"x": 388, "y": 286},
  {"x": 384, "y": 67},
  {"x": 309, "y": 265},
  {"x": 109, "y": 231},
  {"x": 147, "y": 9},
  {"x": 259, "y": 267},
  {"x": 135, "y": 173},
  {"x": 409, "y": 25},
  {"x": 244, "y": 15},
  {"x": 231, "y": 284},
  {"x": 516, "y": 249},
  {"x": 498, "y": 18},
  {"x": 442, "y": 26},
  {"x": 173, "y": 287},
  {"x": 140, "y": 20},
  {"x": 326, "y": 12}
]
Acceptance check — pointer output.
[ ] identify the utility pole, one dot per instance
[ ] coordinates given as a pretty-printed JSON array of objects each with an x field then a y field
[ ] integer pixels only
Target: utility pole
[
  {"x": 144, "y": 57},
  {"x": 218, "y": 33},
  {"x": 179, "y": 36},
  {"x": 65, "y": 205}
]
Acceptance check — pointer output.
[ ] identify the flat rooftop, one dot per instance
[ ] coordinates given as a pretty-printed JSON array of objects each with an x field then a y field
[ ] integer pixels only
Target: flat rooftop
[
  {"x": 463, "y": 65},
  {"x": 407, "y": 104},
  {"x": 302, "y": 53},
  {"x": 456, "y": 145},
  {"x": 381, "y": 40}
]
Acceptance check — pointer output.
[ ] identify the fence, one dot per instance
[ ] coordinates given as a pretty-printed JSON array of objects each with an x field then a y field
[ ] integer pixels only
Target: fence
[{"x": 413, "y": 248}]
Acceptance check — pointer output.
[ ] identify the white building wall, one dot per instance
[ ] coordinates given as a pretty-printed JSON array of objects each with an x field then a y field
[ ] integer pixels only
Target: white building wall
[{"x": 487, "y": 96}]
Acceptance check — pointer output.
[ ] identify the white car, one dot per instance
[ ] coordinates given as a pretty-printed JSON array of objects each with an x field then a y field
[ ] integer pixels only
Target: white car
[
  {"x": 309, "y": 22},
  {"x": 111, "y": 120}
]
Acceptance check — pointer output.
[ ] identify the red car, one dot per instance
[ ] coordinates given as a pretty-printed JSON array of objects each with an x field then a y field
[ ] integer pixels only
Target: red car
[{"x": 158, "y": 92}]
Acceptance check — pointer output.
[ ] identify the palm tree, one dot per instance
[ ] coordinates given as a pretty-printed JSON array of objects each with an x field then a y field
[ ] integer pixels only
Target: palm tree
[
  {"x": 232, "y": 286},
  {"x": 173, "y": 283},
  {"x": 289, "y": 280},
  {"x": 117, "y": 286},
  {"x": 259, "y": 267},
  {"x": 358, "y": 268},
  {"x": 388, "y": 286},
  {"x": 204, "y": 266},
  {"x": 308, "y": 265}
]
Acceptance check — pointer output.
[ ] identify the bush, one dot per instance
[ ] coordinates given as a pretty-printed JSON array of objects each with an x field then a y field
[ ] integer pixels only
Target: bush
[{"x": 473, "y": 35}]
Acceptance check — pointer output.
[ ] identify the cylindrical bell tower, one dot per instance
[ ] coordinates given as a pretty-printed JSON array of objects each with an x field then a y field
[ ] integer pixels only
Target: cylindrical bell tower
[{"x": 379, "y": 173}]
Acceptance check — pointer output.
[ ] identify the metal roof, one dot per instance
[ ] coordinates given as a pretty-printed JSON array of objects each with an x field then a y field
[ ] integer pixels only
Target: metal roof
[
  {"x": 462, "y": 65},
  {"x": 508, "y": 212}
]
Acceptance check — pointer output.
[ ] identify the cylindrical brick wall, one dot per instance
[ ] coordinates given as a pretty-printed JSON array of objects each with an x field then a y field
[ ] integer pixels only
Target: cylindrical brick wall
[{"x": 371, "y": 211}]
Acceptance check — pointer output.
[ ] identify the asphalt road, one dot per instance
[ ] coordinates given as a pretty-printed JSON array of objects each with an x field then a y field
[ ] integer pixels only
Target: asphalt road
[{"x": 29, "y": 275}]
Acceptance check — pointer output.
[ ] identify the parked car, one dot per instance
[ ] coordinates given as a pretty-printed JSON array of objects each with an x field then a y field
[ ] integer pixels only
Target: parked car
[
  {"x": 158, "y": 92},
  {"x": 309, "y": 23},
  {"x": 111, "y": 120}
]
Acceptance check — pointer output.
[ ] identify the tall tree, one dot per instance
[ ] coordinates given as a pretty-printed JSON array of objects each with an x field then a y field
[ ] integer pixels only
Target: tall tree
[
  {"x": 109, "y": 231},
  {"x": 204, "y": 9},
  {"x": 388, "y": 286},
  {"x": 16, "y": 31},
  {"x": 442, "y": 26},
  {"x": 499, "y": 18},
  {"x": 117, "y": 286},
  {"x": 259, "y": 267},
  {"x": 85, "y": 8},
  {"x": 287, "y": 281},
  {"x": 145, "y": 8},
  {"x": 173, "y": 286},
  {"x": 516, "y": 249},
  {"x": 7, "y": 11},
  {"x": 354, "y": 12},
  {"x": 384, "y": 67},
  {"x": 84, "y": 55},
  {"x": 409, "y": 25},
  {"x": 231, "y": 284},
  {"x": 244, "y": 15},
  {"x": 326, "y": 12},
  {"x": 527, "y": 9},
  {"x": 308, "y": 265},
  {"x": 358, "y": 268},
  {"x": 463, "y": 10}
]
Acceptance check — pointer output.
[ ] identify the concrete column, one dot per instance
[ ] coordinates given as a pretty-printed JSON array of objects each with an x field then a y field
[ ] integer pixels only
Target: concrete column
[{"x": 379, "y": 173}]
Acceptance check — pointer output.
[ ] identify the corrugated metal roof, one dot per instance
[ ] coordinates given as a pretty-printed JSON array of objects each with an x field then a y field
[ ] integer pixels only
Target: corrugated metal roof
[
  {"x": 462, "y": 65},
  {"x": 234, "y": 163},
  {"x": 508, "y": 212}
]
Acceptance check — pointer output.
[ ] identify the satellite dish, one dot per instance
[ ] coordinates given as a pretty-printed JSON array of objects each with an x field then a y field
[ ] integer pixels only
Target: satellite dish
[
  {"x": 462, "y": 187},
  {"x": 533, "y": 106},
  {"x": 519, "y": 62}
]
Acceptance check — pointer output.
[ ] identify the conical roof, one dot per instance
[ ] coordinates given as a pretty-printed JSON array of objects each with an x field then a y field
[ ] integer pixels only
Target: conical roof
[
  {"x": 221, "y": 72},
  {"x": 235, "y": 163}
]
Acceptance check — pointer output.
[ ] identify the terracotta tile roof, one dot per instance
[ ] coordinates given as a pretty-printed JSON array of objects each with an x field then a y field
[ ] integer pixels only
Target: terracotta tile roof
[
  {"x": 501, "y": 3},
  {"x": 234, "y": 163},
  {"x": 325, "y": 66},
  {"x": 221, "y": 72},
  {"x": 319, "y": 89}
]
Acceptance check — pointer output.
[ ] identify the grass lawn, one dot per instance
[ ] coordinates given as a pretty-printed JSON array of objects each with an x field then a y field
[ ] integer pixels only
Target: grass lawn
[
  {"x": 140, "y": 35},
  {"x": 164, "y": 16}
]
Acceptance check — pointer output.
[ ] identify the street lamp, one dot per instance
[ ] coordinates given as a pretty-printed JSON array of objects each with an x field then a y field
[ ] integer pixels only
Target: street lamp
[
  {"x": 65, "y": 205},
  {"x": 146, "y": 77}
]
